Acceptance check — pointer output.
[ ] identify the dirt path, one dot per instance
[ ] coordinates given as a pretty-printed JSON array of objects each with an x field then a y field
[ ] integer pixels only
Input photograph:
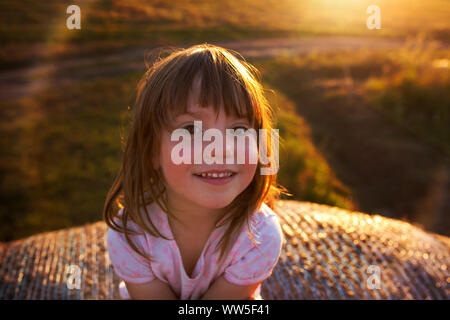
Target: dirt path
[{"x": 32, "y": 80}]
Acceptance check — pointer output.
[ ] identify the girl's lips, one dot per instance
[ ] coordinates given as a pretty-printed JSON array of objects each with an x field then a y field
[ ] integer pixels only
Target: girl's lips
[{"x": 216, "y": 181}]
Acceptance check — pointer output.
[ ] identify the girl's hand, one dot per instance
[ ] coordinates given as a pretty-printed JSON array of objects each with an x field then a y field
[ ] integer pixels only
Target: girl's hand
[
  {"x": 221, "y": 289},
  {"x": 153, "y": 290}
]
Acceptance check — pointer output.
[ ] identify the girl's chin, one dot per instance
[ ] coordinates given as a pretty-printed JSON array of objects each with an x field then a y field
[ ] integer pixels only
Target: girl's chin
[{"x": 215, "y": 203}]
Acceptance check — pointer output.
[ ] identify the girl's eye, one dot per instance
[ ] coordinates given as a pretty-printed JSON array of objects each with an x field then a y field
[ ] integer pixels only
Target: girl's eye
[
  {"x": 191, "y": 128},
  {"x": 240, "y": 131}
]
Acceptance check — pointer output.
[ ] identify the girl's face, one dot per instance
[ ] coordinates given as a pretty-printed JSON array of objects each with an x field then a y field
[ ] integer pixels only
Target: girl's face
[{"x": 185, "y": 184}]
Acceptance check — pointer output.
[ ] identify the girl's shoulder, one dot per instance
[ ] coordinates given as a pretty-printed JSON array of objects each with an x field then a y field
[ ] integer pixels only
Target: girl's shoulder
[
  {"x": 265, "y": 221},
  {"x": 130, "y": 224},
  {"x": 264, "y": 230},
  {"x": 153, "y": 213},
  {"x": 264, "y": 215},
  {"x": 138, "y": 234}
]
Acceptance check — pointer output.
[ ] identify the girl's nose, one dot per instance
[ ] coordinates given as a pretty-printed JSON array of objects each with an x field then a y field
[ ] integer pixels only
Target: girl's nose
[{"x": 227, "y": 151}]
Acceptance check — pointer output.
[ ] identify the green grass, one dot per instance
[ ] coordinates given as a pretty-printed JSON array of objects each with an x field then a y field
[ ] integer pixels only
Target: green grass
[
  {"x": 303, "y": 169},
  {"x": 62, "y": 149},
  {"x": 32, "y": 30},
  {"x": 414, "y": 91}
]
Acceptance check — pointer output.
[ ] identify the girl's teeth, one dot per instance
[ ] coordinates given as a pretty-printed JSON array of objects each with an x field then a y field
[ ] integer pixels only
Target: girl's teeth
[{"x": 216, "y": 175}]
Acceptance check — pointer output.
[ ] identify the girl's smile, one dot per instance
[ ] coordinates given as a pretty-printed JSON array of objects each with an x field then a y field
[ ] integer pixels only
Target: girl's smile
[{"x": 216, "y": 177}]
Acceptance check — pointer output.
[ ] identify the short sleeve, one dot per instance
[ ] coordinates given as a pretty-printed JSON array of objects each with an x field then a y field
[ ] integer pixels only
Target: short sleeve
[
  {"x": 127, "y": 263},
  {"x": 256, "y": 264}
]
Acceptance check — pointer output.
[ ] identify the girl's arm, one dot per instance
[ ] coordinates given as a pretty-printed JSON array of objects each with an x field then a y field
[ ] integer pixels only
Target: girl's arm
[
  {"x": 221, "y": 289},
  {"x": 153, "y": 290}
]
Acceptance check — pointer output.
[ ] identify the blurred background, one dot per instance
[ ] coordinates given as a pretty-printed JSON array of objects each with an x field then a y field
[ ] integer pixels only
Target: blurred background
[{"x": 363, "y": 113}]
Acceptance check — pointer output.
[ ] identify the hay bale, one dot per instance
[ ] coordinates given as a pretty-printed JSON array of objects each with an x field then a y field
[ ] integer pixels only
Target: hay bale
[{"x": 329, "y": 253}]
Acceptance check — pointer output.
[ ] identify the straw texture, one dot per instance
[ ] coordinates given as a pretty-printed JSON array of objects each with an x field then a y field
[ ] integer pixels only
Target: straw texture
[{"x": 329, "y": 253}]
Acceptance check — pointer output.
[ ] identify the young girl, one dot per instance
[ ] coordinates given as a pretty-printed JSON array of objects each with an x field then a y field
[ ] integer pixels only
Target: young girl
[{"x": 193, "y": 230}]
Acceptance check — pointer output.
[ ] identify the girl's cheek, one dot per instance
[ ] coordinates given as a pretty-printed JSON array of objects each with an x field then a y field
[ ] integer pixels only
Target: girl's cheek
[
  {"x": 252, "y": 153},
  {"x": 249, "y": 170},
  {"x": 172, "y": 149},
  {"x": 246, "y": 156},
  {"x": 246, "y": 153}
]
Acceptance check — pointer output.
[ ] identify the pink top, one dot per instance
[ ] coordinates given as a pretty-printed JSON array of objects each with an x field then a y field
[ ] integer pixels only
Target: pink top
[{"x": 244, "y": 265}]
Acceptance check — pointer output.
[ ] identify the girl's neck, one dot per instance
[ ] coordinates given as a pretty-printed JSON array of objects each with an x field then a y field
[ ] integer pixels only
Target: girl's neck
[{"x": 194, "y": 217}]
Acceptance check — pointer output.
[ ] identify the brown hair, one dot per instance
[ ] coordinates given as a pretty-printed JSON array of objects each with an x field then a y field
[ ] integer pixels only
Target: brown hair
[{"x": 228, "y": 82}]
